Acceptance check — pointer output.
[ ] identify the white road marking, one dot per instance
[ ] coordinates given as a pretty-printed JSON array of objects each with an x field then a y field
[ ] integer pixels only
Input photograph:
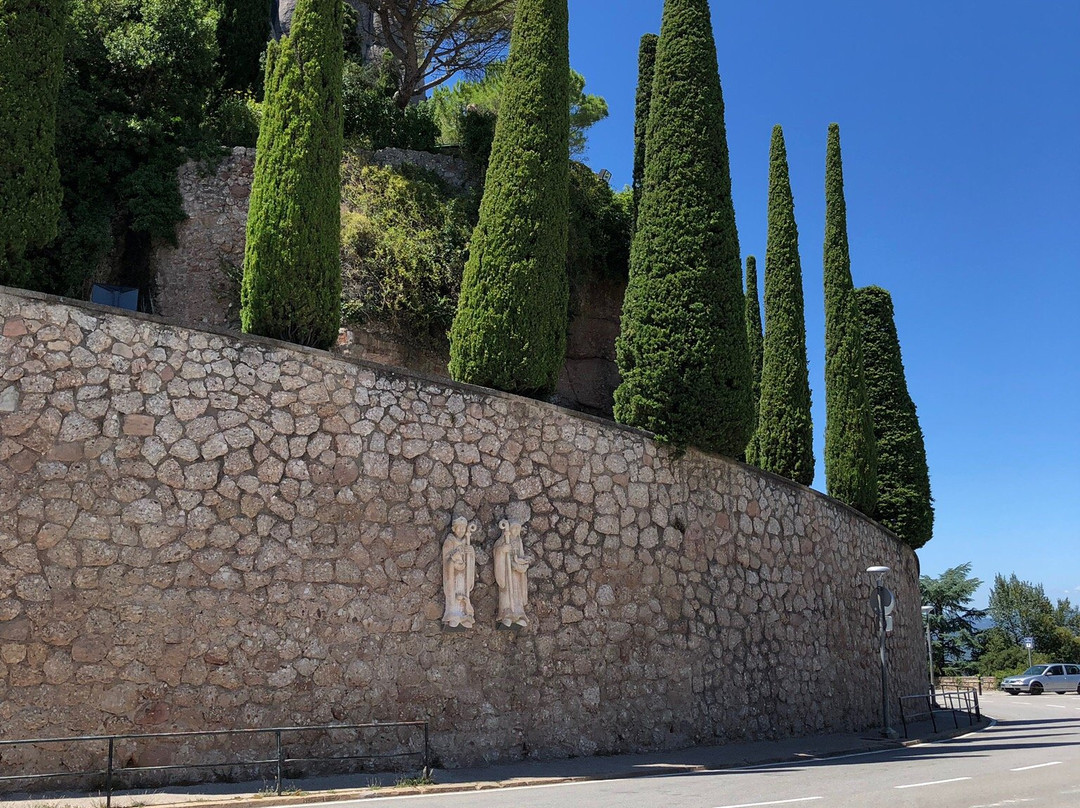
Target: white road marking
[
  {"x": 777, "y": 802},
  {"x": 933, "y": 783},
  {"x": 1036, "y": 766}
]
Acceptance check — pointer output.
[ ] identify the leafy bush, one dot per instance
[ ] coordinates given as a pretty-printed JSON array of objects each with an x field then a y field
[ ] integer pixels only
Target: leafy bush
[
  {"x": 599, "y": 228},
  {"x": 236, "y": 120},
  {"x": 373, "y": 121},
  {"x": 403, "y": 247}
]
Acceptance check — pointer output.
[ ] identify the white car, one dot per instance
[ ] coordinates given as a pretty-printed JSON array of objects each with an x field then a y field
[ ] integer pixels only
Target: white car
[{"x": 1040, "y": 678}]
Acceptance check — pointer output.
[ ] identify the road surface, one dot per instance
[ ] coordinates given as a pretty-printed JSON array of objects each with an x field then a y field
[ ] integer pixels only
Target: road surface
[{"x": 1029, "y": 758}]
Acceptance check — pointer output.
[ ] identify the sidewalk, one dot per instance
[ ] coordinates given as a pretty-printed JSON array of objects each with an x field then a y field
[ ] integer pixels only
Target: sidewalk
[{"x": 361, "y": 786}]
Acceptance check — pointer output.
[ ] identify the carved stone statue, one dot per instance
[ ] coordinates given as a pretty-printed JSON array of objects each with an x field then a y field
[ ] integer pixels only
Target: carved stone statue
[
  {"x": 459, "y": 575},
  {"x": 511, "y": 574}
]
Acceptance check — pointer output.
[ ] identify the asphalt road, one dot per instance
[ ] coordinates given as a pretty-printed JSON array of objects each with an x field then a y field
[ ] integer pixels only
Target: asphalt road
[{"x": 1029, "y": 758}]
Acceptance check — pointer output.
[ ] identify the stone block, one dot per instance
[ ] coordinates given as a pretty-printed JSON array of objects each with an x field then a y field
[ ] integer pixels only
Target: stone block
[{"x": 139, "y": 425}]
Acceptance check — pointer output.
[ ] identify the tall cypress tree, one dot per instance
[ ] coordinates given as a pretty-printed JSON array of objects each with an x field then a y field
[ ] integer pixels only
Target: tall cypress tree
[
  {"x": 242, "y": 33},
  {"x": 754, "y": 340},
  {"x": 785, "y": 432},
  {"x": 31, "y": 66},
  {"x": 646, "y": 65},
  {"x": 682, "y": 350},
  {"x": 904, "y": 503},
  {"x": 510, "y": 328},
  {"x": 850, "y": 451},
  {"x": 292, "y": 266}
]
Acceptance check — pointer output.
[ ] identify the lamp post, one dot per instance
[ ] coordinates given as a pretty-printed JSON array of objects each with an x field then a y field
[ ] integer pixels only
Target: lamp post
[
  {"x": 877, "y": 574},
  {"x": 927, "y": 611}
]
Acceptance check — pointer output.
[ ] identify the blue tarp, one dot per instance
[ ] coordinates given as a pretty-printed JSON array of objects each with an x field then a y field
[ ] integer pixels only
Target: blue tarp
[{"x": 123, "y": 297}]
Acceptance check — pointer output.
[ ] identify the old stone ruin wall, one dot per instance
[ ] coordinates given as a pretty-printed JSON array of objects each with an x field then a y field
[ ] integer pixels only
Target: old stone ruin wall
[
  {"x": 203, "y": 531},
  {"x": 198, "y": 281}
]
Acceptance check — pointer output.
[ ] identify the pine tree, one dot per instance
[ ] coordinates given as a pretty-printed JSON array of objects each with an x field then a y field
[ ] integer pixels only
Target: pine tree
[
  {"x": 243, "y": 31},
  {"x": 785, "y": 432},
  {"x": 31, "y": 67},
  {"x": 850, "y": 451},
  {"x": 292, "y": 268},
  {"x": 754, "y": 339},
  {"x": 510, "y": 328},
  {"x": 904, "y": 503},
  {"x": 646, "y": 65},
  {"x": 682, "y": 351}
]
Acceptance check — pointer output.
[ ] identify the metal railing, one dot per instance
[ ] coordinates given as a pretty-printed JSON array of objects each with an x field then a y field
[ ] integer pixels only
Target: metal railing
[
  {"x": 279, "y": 761},
  {"x": 951, "y": 702}
]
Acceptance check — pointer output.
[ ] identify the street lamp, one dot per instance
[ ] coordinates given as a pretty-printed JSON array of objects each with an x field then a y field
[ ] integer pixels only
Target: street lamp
[
  {"x": 927, "y": 611},
  {"x": 877, "y": 574}
]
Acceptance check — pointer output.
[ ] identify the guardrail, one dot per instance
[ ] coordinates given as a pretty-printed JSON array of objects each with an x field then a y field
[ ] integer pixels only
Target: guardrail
[
  {"x": 280, "y": 759},
  {"x": 967, "y": 683},
  {"x": 952, "y": 703}
]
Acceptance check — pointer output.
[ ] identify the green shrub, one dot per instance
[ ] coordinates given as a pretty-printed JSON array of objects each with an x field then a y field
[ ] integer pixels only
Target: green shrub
[
  {"x": 682, "y": 351},
  {"x": 599, "y": 228},
  {"x": 510, "y": 328},
  {"x": 404, "y": 242},
  {"x": 235, "y": 122},
  {"x": 373, "y": 121},
  {"x": 292, "y": 261}
]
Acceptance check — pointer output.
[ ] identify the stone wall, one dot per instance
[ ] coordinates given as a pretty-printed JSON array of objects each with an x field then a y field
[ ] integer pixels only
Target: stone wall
[
  {"x": 201, "y": 530},
  {"x": 198, "y": 281}
]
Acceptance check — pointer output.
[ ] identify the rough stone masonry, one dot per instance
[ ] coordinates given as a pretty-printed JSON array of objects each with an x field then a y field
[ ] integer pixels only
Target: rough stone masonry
[{"x": 206, "y": 530}]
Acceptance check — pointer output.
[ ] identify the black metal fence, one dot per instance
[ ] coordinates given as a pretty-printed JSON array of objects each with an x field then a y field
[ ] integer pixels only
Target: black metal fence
[
  {"x": 111, "y": 771},
  {"x": 943, "y": 706}
]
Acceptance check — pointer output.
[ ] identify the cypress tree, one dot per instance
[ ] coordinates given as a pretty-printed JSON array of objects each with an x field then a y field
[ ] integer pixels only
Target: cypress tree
[
  {"x": 31, "y": 67},
  {"x": 646, "y": 65},
  {"x": 754, "y": 339},
  {"x": 682, "y": 351},
  {"x": 292, "y": 267},
  {"x": 850, "y": 451},
  {"x": 904, "y": 503},
  {"x": 242, "y": 33},
  {"x": 510, "y": 328},
  {"x": 785, "y": 432}
]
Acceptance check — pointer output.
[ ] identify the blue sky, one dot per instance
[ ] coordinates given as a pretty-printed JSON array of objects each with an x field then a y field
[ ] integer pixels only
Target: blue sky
[{"x": 959, "y": 124}]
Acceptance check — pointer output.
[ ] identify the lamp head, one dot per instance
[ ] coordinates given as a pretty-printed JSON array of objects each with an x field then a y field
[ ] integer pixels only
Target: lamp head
[
  {"x": 926, "y": 610},
  {"x": 877, "y": 570}
]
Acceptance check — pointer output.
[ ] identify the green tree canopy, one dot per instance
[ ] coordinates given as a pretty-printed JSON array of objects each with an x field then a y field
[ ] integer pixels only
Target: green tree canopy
[
  {"x": 850, "y": 449},
  {"x": 292, "y": 265},
  {"x": 953, "y": 621},
  {"x": 510, "y": 328},
  {"x": 431, "y": 41},
  {"x": 904, "y": 502},
  {"x": 484, "y": 96},
  {"x": 242, "y": 32},
  {"x": 682, "y": 350},
  {"x": 138, "y": 75},
  {"x": 646, "y": 67},
  {"x": 31, "y": 66},
  {"x": 755, "y": 340},
  {"x": 785, "y": 436}
]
